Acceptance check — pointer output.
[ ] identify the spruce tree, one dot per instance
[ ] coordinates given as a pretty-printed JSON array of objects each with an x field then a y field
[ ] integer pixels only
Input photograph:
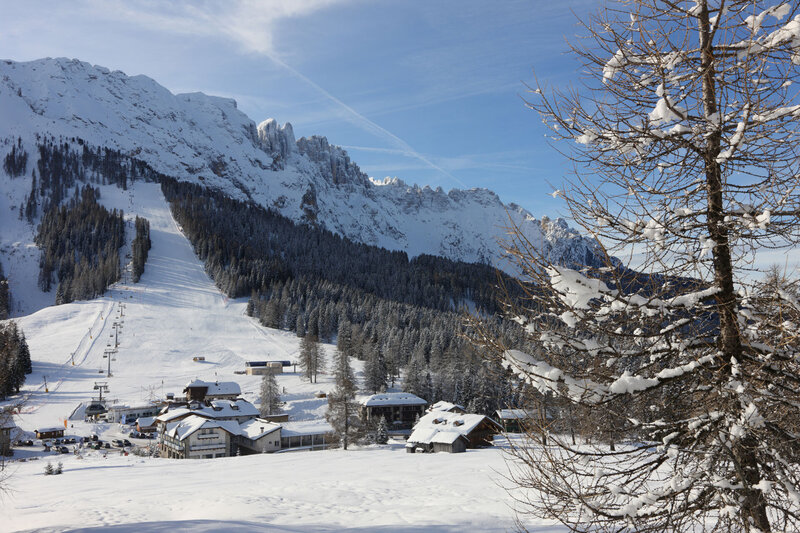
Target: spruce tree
[
  {"x": 375, "y": 373},
  {"x": 343, "y": 411},
  {"x": 382, "y": 431},
  {"x": 270, "y": 395}
]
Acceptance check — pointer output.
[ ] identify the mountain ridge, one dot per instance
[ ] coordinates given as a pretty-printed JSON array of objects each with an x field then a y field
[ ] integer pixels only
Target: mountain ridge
[{"x": 208, "y": 140}]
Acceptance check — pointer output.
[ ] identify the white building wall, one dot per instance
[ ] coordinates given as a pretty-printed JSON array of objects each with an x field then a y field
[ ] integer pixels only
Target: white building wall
[{"x": 215, "y": 444}]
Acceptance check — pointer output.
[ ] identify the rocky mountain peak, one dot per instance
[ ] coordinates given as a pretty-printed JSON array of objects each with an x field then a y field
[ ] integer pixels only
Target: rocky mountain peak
[
  {"x": 332, "y": 161},
  {"x": 277, "y": 140}
]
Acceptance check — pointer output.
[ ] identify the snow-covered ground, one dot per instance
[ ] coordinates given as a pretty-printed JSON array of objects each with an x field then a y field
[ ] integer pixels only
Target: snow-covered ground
[
  {"x": 369, "y": 489},
  {"x": 173, "y": 314}
]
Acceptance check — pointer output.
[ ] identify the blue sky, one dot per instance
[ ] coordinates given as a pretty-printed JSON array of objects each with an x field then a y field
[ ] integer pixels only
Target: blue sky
[{"x": 430, "y": 92}]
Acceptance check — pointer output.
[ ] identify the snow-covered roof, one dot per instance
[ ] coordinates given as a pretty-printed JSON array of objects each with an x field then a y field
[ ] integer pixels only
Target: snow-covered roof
[
  {"x": 257, "y": 428},
  {"x": 392, "y": 398},
  {"x": 219, "y": 409},
  {"x": 422, "y": 434},
  {"x": 513, "y": 414},
  {"x": 236, "y": 408},
  {"x": 446, "y": 437},
  {"x": 49, "y": 430},
  {"x": 123, "y": 407},
  {"x": 438, "y": 421},
  {"x": 446, "y": 406},
  {"x": 216, "y": 388},
  {"x": 182, "y": 429},
  {"x": 305, "y": 427},
  {"x": 146, "y": 421}
]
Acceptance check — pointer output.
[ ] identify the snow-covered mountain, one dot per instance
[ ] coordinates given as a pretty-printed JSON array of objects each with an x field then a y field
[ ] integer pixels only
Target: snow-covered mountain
[{"x": 207, "y": 140}]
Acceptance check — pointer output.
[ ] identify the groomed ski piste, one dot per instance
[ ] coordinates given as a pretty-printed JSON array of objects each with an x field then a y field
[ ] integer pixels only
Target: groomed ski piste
[{"x": 172, "y": 315}]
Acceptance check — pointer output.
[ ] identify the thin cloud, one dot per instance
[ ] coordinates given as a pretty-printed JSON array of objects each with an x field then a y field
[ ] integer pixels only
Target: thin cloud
[{"x": 250, "y": 24}]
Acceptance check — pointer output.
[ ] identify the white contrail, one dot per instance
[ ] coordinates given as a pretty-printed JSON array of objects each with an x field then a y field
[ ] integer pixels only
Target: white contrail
[{"x": 366, "y": 123}]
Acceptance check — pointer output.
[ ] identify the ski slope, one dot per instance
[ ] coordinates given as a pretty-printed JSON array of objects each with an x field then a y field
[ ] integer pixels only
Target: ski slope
[{"x": 173, "y": 314}]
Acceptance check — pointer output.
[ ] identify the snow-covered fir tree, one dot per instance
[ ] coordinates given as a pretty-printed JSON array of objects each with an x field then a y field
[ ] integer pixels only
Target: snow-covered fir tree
[{"x": 382, "y": 431}]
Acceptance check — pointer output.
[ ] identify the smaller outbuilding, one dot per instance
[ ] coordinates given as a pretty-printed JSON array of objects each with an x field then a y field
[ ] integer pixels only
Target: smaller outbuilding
[
  {"x": 305, "y": 435},
  {"x": 259, "y": 368},
  {"x": 146, "y": 424},
  {"x": 449, "y": 442},
  {"x": 49, "y": 433}
]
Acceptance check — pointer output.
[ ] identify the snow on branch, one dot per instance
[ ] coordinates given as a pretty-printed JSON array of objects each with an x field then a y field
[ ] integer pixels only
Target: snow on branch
[
  {"x": 575, "y": 289},
  {"x": 545, "y": 378}
]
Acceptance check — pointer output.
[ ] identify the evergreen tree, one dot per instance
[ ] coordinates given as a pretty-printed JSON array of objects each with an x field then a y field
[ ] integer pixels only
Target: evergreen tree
[
  {"x": 343, "y": 410},
  {"x": 270, "y": 395},
  {"x": 382, "y": 432},
  {"x": 140, "y": 247},
  {"x": 15, "y": 360},
  {"x": 5, "y": 296},
  {"x": 375, "y": 373},
  {"x": 415, "y": 379}
]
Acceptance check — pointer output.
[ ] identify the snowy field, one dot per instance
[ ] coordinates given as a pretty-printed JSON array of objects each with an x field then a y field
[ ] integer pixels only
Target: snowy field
[
  {"x": 172, "y": 315},
  {"x": 368, "y": 489}
]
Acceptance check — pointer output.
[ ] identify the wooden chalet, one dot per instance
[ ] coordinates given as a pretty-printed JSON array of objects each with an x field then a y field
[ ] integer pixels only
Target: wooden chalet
[
  {"x": 49, "y": 433},
  {"x": 200, "y": 390},
  {"x": 437, "y": 430}
]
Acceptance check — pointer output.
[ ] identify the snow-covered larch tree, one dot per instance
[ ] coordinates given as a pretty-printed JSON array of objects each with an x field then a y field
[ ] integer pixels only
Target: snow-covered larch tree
[
  {"x": 312, "y": 359},
  {"x": 685, "y": 146}
]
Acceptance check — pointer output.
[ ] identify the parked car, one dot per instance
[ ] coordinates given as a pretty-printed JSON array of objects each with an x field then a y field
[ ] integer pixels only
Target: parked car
[
  {"x": 95, "y": 437},
  {"x": 126, "y": 442},
  {"x": 63, "y": 449},
  {"x": 118, "y": 443}
]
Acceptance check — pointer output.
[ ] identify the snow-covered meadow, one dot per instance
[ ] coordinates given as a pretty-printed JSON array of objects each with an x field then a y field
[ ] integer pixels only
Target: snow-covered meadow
[
  {"x": 368, "y": 489},
  {"x": 172, "y": 315}
]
